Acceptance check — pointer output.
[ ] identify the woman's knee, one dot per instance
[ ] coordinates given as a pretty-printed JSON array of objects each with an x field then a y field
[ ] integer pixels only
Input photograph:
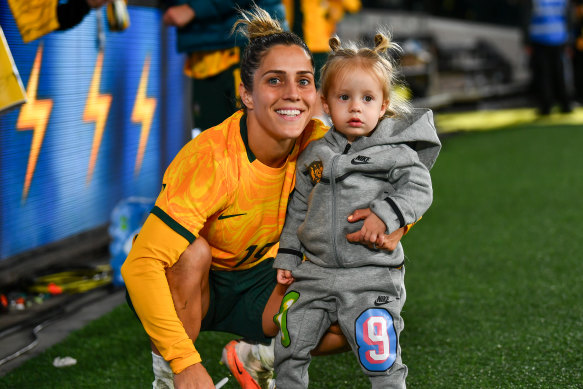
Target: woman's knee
[
  {"x": 198, "y": 251},
  {"x": 196, "y": 257},
  {"x": 335, "y": 329},
  {"x": 192, "y": 267},
  {"x": 333, "y": 342}
]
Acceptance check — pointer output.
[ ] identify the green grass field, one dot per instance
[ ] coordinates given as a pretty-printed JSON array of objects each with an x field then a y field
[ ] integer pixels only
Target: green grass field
[{"x": 494, "y": 282}]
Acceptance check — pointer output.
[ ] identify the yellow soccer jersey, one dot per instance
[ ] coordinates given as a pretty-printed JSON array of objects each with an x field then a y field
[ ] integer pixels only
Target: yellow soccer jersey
[
  {"x": 204, "y": 64},
  {"x": 234, "y": 201},
  {"x": 213, "y": 188},
  {"x": 319, "y": 19}
]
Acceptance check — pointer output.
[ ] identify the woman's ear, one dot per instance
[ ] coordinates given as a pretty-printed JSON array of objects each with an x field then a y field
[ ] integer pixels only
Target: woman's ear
[{"x": 246, "y": 97}]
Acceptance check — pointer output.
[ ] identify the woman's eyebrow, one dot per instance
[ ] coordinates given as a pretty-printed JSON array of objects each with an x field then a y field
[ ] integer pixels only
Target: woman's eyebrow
[{"x": 276, "y": 71}]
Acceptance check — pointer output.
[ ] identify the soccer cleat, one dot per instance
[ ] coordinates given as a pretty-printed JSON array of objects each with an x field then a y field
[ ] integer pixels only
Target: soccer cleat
[{"x": 244, "y": 360}]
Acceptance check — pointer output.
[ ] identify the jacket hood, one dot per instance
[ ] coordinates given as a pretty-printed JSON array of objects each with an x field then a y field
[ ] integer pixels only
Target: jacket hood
[{"x": 416, "y": 129}]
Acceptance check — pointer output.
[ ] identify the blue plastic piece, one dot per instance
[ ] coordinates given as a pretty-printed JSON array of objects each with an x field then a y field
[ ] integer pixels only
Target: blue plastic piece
[{"x": 127, "y": 219}]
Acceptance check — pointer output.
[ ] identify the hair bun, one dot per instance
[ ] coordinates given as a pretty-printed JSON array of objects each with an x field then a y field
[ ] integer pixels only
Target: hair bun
[
  {"x": 334, "y": 43},
  {"x": 381, "y": 43},
  {"x": 257, "y": 23}
]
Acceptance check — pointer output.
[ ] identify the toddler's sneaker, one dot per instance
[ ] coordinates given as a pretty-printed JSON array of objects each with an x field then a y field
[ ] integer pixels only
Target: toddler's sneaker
[{"x": 250, "y": 363}]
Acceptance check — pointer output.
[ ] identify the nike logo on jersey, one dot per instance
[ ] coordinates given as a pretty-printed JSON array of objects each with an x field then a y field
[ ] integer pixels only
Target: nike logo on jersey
[
  {"x": 381, "y": 300},
  {"x": 223, "y": 216},
  {"x": 360, "y": 160}
]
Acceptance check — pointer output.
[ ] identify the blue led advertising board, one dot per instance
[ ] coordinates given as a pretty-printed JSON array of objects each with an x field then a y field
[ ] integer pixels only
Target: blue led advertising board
[{"x": 103, "y": 119}]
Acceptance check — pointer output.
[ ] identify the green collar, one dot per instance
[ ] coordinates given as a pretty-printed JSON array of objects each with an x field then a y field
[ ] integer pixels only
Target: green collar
[{"x": 245, "y": 137}]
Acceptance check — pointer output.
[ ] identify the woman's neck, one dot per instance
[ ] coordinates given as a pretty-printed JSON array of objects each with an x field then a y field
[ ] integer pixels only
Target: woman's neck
[{"x": 267, "y": 149}]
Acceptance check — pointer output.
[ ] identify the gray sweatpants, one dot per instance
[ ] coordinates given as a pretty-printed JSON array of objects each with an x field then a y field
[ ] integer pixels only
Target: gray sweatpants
[{"x": 366, "y": 302}]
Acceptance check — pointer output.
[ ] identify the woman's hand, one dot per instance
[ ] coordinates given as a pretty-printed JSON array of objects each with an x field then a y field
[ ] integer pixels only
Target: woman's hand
[
  {"x": 381, "y": 241},
  {"x": 284, "y": 277},
  {"x": 193, "y": 377}
]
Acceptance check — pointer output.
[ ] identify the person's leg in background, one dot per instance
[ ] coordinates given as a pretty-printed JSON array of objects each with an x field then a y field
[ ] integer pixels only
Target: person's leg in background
[
  {"x": 215, "y": 98},
  {"x": 542, "y": 79},
  {"x": 562, "y": 77}
]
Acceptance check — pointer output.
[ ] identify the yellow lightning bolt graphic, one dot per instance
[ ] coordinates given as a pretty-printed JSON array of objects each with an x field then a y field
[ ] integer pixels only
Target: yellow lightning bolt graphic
[
  {"x": 96, "y": 110},
  {"x": 34, "y": 114},
  {"x": 143, "y": 112}
]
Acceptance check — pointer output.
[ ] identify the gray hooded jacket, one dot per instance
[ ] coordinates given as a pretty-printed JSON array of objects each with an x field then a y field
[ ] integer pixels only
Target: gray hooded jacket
[{"x": 387, "y": 172}]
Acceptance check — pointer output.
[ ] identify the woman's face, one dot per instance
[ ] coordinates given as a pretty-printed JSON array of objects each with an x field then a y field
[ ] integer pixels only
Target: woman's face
[{"x": 283, "y": 93}]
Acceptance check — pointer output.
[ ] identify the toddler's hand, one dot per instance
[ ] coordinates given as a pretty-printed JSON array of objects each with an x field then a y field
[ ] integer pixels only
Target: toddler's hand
[
  {"x": 284, "y": 277},
  {"x": 372, "y": 233},
  {"x": 373, "y": 230}
]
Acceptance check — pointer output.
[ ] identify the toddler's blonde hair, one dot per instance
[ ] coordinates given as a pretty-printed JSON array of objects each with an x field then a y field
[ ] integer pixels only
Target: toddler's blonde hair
[{"x": 377, "y": 60}]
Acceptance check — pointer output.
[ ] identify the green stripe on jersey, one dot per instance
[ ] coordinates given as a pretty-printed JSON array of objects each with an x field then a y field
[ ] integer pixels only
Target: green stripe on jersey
[{"x": 189, "y": 236}]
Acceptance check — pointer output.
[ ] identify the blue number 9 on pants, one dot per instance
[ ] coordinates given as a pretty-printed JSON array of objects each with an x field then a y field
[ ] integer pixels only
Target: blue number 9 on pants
[{"x": 376, "y": 339}]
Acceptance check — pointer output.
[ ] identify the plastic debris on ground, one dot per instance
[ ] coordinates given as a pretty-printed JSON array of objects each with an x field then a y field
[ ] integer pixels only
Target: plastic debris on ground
[
  {"x": 64, "y": 362},
  {"x": 37, "y": 290}
]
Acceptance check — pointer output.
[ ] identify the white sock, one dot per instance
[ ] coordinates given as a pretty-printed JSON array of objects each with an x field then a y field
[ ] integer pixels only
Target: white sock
[
  {"x": 163, "y": 376},
  {"x": 264, "y": 354}
]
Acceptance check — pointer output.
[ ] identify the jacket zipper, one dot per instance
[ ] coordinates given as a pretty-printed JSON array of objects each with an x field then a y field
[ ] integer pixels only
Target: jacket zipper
[{"x": 333, "y": 186}]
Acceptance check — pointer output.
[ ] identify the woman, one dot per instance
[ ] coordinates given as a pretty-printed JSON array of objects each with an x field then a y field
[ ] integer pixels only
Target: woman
[{"x": 203, "y": 259}]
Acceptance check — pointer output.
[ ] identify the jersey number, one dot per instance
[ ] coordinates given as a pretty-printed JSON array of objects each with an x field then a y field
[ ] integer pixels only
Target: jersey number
[
  {"x": 258, "y": 255},
  {"x": 376, "y": 339}
]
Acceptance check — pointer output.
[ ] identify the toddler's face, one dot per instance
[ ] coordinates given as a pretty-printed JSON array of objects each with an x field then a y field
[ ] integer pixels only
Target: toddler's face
[{"x": 355, "y": 102}]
